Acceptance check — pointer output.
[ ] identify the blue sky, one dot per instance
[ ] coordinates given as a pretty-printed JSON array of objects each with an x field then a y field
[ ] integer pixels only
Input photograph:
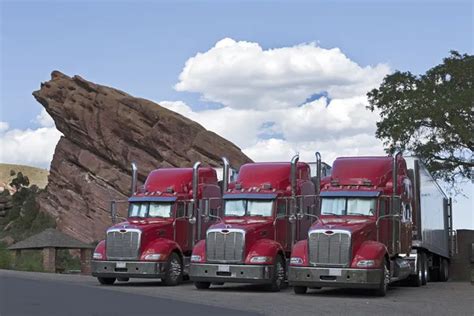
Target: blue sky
[{"x": 142, "y": 47}]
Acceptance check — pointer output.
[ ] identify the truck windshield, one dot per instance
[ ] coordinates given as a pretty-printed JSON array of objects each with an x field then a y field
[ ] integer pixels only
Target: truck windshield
[
  {"x": 248, "y": 207},
  {"x": 150, "y": 209},
  {"x": 348, "y": 206}
]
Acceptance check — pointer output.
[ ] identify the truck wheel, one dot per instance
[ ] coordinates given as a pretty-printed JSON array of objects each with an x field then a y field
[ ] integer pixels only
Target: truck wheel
[
  {"x": 279, "y": 274},
  {"x": 382, "y": 289},
  {"x": 416, "y": 280},
  {"x": 425, "y": 277},
  {"x": 106, "y": 281},
  {"x": 174, "y": 270},
  {"x": 123, "y": 279},
  {"x": 300, "y": 289},
  {"x": 202, "y": 285},
  {"x": 443, "y": 270}
]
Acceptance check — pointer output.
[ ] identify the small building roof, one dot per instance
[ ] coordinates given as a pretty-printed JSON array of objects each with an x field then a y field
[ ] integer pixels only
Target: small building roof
[{"x": 50, "y": 238}]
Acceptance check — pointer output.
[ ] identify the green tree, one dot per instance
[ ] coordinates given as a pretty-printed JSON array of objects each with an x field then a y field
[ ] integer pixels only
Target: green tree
[
  {"x": 430, "y": 116},
  {"x": 20, "y": 181}
]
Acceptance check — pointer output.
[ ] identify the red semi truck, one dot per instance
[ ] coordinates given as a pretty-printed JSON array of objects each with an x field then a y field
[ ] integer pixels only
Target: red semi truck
[
  {"x": 253, "y": 240},
  {"x": 163, "y": 224},
  {"x": 373, "y": 230}
]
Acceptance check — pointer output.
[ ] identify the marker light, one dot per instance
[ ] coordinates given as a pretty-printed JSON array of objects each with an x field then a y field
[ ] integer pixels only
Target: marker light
[
  {"x": 154, "y": 256},
  {"x": 260, "y": 259},
  {"x": 195, "y": 258},
  {"x": 296, "y": 260},
  {"x": 97, "y": 256},
  {"x": 365, "y": 263}
]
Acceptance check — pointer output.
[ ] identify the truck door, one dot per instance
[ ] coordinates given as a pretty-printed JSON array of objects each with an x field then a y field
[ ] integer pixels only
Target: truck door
[
  {"x": 282, "y": 227},
  {"x": 182, "y": 229},
  {"x": 305, "y": 206}
]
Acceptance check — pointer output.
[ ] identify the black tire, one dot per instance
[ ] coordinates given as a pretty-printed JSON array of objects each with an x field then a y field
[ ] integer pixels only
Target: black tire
[
  {"x": 384, "y": 282},
  {"x": 279, "y": 275},
  {"x": 300, "y": 289},
  {"x": 416, "y": 280},
  {"x": 425, "y": 276},
  {"x": 443, "y": 270},
  {"x": 106, "y": 281},
  {"x": 123, "y": 279},
  {"x": 202, "y": 285},
  {"x": 174, "y": 270}
]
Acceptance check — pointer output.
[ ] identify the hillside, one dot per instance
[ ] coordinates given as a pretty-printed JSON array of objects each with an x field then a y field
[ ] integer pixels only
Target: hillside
[{"x": 35, "y": 175}]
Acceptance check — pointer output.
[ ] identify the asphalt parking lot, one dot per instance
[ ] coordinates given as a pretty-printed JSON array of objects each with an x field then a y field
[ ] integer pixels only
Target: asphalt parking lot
[{"x": 56, "y": 294}]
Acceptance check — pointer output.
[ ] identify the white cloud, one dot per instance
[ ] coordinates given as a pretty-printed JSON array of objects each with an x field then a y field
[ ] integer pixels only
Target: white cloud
[
  {"x": 34, "y": 147},
  {"x": 44, "y": 119},
  {"x": 243, "y": 75}
]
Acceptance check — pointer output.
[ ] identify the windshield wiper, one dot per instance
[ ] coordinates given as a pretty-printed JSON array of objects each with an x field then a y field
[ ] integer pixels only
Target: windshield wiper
[
  {"x": 327, "y": 213},
  {"x": 358, "y": 214}
]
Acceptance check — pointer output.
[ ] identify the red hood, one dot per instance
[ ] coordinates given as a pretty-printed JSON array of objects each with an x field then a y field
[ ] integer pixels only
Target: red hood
[
  {"x": 248, "y": 224},
  {"x": 151, "y": 228},
  {"x": 361, "y": 228}
]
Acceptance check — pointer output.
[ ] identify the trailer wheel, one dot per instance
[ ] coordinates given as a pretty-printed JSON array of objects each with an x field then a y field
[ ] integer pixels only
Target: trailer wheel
[
  {"x": 106, "y": 281},
  {"x": 300, "y": 289},
  {"x": 202, "y": 285},
  {"x": 279, "y": 274},
  {"x": 425, "y": 276},
  {"x": 174, "y": 270},
  {"x": 443, "y": 270},
  {"x": 382, "y": 289}
]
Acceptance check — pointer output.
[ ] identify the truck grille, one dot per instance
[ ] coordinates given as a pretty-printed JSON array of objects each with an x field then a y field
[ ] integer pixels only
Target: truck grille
[
  {"x": 329, "y": 248},
  {"x": 123, "y": 244},
  {"x": 225, "y": 247}
]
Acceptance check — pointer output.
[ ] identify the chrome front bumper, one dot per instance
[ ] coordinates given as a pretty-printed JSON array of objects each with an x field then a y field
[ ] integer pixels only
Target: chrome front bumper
[
  {"x": 334, "y": 277},
  {"x": 132, "y": 269},
  {"x": 237, "y": 273}
]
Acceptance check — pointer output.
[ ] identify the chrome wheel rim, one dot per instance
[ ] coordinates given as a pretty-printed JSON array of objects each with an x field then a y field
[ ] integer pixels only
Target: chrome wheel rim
[
  {"x": 175, "y": 269},
  {"x": 386, "y": 279},
  {"x": 280, "y": 273}
]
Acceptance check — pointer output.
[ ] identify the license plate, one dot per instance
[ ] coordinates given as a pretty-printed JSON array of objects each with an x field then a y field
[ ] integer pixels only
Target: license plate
[
  {"x": 223, "y": 268},
  {"x": 121, "y": 265},
  {"x": 335, "y": 272}
]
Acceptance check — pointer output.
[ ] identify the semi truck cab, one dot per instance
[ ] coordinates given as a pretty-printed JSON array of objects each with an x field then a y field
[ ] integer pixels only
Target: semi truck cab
[
  {"x": 163, "y": 224},
  {"x": 253, "y": 240},
  {"x": 379, "y": 222}
]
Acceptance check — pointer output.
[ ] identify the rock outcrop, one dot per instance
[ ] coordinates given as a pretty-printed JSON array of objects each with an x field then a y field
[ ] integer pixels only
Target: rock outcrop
[{"x": 104, "y": 130}]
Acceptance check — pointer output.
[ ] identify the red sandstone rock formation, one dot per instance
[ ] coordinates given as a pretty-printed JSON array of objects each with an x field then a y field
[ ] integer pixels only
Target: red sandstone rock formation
[{"x": 104, "y": 130}]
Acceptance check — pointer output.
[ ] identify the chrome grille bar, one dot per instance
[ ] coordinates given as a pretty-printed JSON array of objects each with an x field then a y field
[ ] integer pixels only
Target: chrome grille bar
[{"x": 329, "y": 247}]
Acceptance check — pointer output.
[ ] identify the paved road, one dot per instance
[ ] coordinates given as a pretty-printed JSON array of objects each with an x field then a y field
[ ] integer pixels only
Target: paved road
[{"x": 82, "y": 295}]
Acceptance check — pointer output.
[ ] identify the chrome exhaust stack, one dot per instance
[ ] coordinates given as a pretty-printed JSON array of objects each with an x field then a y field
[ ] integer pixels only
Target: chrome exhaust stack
[
  {"x": 225, "y": 175},
  {"x": 196, "y": 166},
  {"x": 294, "y": 161},
  {"x": 395, "y": 174},
  {"x": 318, "y": 173},
  {"x": 195, "y": 217},
  {"x": 134, "y": 178}
]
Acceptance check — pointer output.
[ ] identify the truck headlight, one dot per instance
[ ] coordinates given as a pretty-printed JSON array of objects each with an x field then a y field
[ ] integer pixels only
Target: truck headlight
[
  {"x": 365, "y": 263},
  {"x": 97, "y": 255},
  {"x": 260, "y": 259},
  {"x": 154, "y": 256},
  {"x": 196, "y": 258},
  {"x": 296, "y": 260}
]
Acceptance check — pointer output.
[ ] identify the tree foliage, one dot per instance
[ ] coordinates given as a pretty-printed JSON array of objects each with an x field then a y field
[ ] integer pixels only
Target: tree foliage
[{"x": 430, "y": 116}]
